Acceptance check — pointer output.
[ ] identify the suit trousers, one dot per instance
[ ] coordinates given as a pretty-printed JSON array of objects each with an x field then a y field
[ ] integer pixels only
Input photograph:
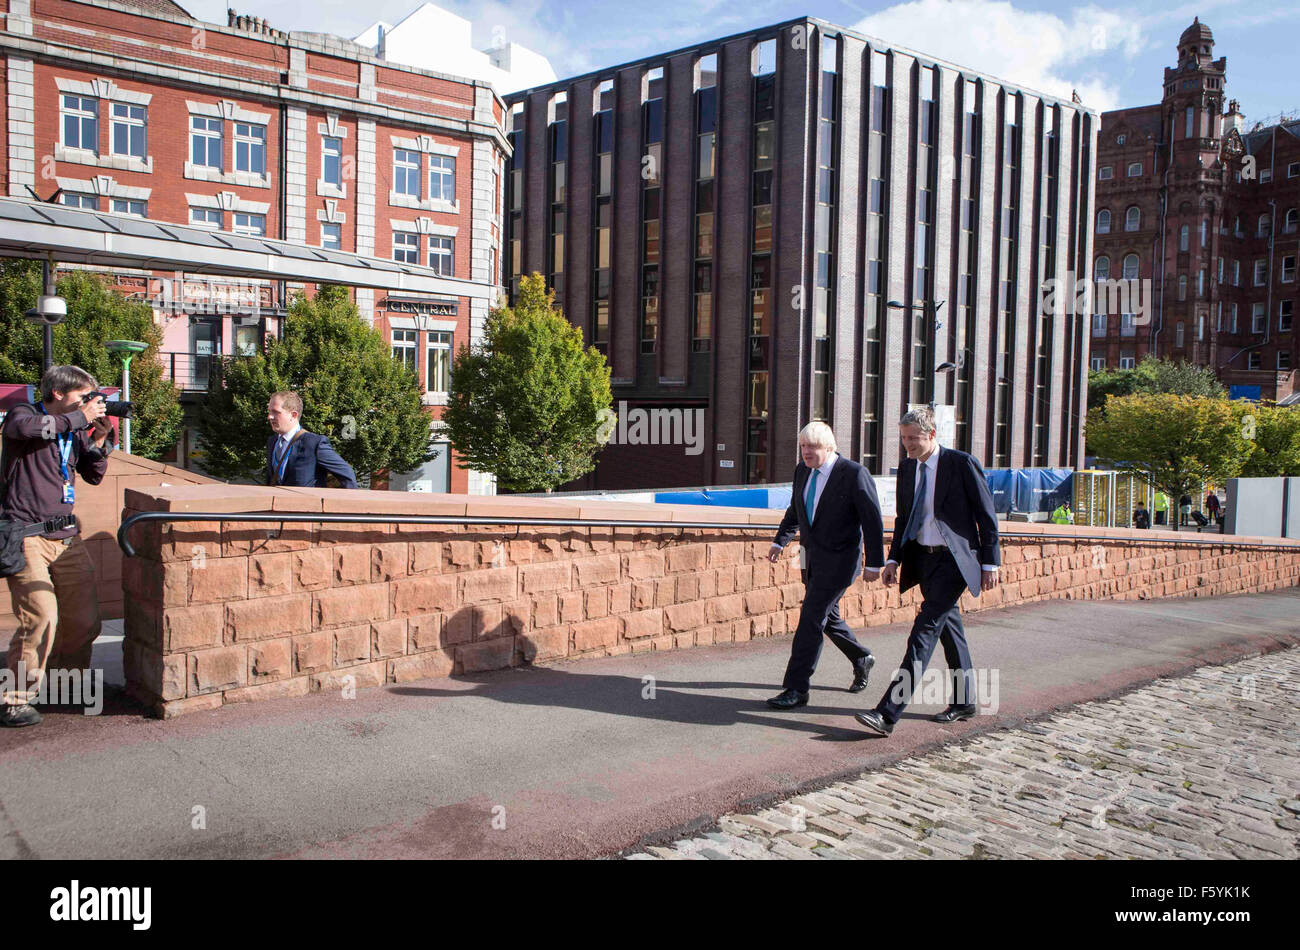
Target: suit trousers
[
  {"x": 939, "y": 620},
  {"x": 819, "y": 614},
  {"x": 56, "y": 602}
]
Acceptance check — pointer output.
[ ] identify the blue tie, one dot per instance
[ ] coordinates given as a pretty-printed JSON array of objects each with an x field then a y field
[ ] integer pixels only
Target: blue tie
[
  {"x": 918, "y": 502},
  {"x": 812, "y": 494}
]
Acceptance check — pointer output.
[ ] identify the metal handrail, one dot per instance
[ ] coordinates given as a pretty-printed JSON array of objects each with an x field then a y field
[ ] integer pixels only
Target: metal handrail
[{"x": 334, "y": 518}]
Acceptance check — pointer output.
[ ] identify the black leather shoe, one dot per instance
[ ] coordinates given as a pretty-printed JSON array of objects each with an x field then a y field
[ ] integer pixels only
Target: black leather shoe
[
  {"x": 788, "y": 699},
  {"x": 875, "y": 722},
  {"x": 955, "y": 714},
  {"x": 23, "y": 715},
  {"x": 861, "y": 670}
]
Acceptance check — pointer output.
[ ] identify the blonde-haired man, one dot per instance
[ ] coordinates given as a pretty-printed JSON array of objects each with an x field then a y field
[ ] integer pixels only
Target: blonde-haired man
[{"x": 836, "y": 510}]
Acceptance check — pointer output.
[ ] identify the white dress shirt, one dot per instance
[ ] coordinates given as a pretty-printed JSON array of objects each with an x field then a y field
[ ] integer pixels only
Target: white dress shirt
[
  {"x": 929, "y": 533},
  {"x": 824, "y": 473},
  {"x": 287, "y": 438}
]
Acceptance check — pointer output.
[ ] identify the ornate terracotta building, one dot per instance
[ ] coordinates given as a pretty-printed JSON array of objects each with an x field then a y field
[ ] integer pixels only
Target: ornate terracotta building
[{"x": 1209, "y": 213}]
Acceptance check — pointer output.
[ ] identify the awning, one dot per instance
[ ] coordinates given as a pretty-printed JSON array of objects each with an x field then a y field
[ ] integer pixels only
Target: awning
[{"x": 81, "y": 236}]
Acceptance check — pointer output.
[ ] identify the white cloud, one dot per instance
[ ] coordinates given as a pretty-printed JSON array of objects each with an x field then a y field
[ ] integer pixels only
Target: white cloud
[{"x": 1036, "y": 50}]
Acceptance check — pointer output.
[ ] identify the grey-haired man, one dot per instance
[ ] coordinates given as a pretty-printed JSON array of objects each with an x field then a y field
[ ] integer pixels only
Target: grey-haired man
[{"x": 946, "y": 540}]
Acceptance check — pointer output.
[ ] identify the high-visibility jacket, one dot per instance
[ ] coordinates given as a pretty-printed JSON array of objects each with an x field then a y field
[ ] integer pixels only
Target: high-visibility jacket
[
  {"x": 1062, "y": 515},
  {"x": 1162, "y": 501}
]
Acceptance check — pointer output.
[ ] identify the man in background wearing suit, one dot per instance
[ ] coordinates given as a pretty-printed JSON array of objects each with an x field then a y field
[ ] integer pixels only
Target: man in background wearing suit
[
  {"x": 946, "y": 538},
  {"x": 295, "y": 456},
  {"x": 835, "y": 508}
]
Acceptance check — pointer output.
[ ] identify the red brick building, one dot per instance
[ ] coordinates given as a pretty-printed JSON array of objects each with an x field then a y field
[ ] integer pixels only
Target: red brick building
[
  {"x": 139, "y": 109},
  {"x": 1209, "y": 213}
]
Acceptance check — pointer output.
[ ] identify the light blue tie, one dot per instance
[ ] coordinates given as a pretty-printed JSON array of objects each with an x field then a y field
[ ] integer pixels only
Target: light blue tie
[
  {"x": 812, "y": 494},
  {"x": 918, "y": 502}
]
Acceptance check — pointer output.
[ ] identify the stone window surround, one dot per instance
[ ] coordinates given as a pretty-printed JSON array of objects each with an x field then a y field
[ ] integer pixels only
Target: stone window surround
[
  {"x": 102, "y": 89},
  {"x": 104, "y": 185},
  {"x": 424, "y": 144},
  {"x": 331, "y": 214},
  {"x": 331, "y": 128},
  {"x": 404, "y": 322},
  {"x": 426, "y": 226},
  {"x": 227, "y": 201},
  {"x": 325, "y": 224},
  {"x": 397, "y": 200},
  {"x": 227, "y": 111},
  {"x": 108, "y": 90}
]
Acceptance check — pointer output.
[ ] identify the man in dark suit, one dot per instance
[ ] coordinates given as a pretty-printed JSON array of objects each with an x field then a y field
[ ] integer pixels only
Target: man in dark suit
[
  {"x": 946, "y": 538},
  {"x": 295, "y": 456},
  {"x": 835, "y": 508}
]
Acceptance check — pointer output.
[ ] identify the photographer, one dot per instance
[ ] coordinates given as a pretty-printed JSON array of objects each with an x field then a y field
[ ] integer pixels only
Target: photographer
[{"x": 45, "y": 447}]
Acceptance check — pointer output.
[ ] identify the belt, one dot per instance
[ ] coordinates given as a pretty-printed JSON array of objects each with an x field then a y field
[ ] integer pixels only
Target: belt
[{"x": 932, "y": 548}]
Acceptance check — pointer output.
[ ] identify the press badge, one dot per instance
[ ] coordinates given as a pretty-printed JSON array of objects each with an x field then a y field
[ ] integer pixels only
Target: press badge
[{"x": 69, "y": 493}]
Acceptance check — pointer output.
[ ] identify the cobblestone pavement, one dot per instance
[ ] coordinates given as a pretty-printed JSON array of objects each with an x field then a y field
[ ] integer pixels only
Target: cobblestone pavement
[{"x": 1200, "y": 766}]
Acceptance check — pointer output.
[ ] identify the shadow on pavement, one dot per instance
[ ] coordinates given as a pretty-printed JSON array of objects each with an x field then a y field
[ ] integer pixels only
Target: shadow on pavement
[{"x": 667, "y": 701}]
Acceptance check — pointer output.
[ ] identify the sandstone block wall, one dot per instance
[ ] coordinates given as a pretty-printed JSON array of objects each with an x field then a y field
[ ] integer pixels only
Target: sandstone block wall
[{"x": 240, "y": 611}]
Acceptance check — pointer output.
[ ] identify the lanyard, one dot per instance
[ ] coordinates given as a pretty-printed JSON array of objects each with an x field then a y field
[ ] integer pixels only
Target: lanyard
[
  {"x": 65, "y": 449},
  {"x": 282, "y": 462}
]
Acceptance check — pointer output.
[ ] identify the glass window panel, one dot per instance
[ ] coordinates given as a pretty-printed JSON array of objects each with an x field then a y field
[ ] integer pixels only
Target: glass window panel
[
  {"x": 704, "y": 235},
  {"x": 764, "y": 144},
  {"x": 706, "y": 156},
  {"x": 763, "y": 228}
]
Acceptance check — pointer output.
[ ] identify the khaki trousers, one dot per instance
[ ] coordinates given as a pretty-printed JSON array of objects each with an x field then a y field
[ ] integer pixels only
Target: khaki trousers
[{"x": 56, "y": 601}]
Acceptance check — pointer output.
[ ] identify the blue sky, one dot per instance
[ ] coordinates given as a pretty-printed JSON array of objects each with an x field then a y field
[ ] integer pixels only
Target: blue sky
[{"x": 1112, "y": 52}]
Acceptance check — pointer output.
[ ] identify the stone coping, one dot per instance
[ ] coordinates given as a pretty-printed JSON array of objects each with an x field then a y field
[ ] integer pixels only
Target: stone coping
[{"x": 232, "y": 499}]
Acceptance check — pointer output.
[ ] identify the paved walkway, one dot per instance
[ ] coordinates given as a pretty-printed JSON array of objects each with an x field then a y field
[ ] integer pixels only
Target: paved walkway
[
  {"x": 578, "y": 759},
  {"x": 1199, "y": 766}
]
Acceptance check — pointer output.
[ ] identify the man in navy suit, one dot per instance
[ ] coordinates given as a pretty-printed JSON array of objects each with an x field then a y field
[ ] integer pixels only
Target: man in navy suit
[
  {"x": 946, "y": 539},
  {"x": 836, "y": 510},
  {"x": 295, "y": 456}
]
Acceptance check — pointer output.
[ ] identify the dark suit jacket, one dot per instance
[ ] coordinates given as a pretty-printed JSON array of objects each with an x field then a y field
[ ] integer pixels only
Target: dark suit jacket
[
  {"x": 963, "y": 509},
  {"x": 847, "y": 514},
  {"x": 311, "y": 458}
]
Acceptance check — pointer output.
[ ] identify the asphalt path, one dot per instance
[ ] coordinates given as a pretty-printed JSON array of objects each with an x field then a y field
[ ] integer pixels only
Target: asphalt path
[{"x": 577, "y": 759}]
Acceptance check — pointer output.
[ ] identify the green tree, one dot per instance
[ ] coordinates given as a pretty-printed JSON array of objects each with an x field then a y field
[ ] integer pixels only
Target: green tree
[
  {"x": 1172, "y": 442},
  {"x": 352, "y": 391},
  {"x": 1152, "y": 375},
  {"x": 1275, "y": 434},
  {"x": 97, "y": 312},
  {"x": 528, "y": 405}
]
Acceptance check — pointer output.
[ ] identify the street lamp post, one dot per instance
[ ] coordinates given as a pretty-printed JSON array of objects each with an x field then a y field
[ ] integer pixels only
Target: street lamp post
[
  {"x": 50, "y": 309},
  {"x": 932, "y": 326},
  {"x": 126, "y": 349}
]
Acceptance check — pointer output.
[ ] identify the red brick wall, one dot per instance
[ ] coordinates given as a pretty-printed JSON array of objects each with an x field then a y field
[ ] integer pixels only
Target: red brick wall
[
  {"x": 137, "y": 36},
  {"x": 168, "y": 145},
  {"x": 222, "y": 613},
  {"x": 232, "y": 54}
]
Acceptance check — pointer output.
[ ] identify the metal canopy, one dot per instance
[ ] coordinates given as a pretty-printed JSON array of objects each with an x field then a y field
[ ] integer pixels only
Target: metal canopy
[{"x": 77, "y": 235}]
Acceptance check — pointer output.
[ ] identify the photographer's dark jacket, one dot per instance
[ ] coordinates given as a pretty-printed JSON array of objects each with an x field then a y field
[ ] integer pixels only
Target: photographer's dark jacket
[{"x": 32, "y": 474}]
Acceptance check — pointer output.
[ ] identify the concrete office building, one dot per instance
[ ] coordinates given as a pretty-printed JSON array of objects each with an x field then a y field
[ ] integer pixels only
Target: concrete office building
[{"x": 730, "y": 223}]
